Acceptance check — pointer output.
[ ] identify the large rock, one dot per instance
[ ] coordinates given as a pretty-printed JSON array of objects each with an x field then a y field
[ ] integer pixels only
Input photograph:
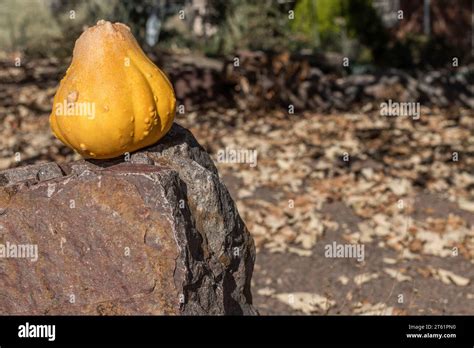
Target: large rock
[{"x": 157, "y": 234}]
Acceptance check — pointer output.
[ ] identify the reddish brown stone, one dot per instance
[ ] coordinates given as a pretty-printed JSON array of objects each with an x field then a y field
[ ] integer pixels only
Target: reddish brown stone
[{"x": 156, "y": 235}]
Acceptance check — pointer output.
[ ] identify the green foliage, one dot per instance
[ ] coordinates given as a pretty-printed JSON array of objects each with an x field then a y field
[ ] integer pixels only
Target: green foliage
[
  {"x": 246, "y": 24},
  {"x": 319, "y": 20},
  {"x": 332, "y": 24},
  {"x": 350, "y": 27},
  {"x": 48, "y": 28},
  {"x": 24, "y": 26}
]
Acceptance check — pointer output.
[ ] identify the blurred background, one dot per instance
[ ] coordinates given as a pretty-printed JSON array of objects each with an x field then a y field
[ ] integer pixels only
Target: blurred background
[{"x": 303, "y": 83}]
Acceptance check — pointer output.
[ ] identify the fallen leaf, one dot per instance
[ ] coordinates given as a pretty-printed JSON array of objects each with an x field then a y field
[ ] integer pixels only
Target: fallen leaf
[
  {"x": 397, "y": 275},
  {"x": 306, "y": 302},
  {"x": 364, "y": 278},
  {"x": 449, "y": 277}
]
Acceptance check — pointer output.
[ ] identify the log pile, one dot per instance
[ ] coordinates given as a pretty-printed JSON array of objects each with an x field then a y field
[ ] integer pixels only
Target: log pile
[{"x": 265, "y": 80}]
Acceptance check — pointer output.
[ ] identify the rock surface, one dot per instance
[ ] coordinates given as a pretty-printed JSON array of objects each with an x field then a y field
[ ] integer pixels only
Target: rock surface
[{"x": 155, "y": 234}]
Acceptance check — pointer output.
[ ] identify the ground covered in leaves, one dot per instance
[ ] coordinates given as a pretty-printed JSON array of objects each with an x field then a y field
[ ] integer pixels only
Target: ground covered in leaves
[{"x": 401, "y": 188}]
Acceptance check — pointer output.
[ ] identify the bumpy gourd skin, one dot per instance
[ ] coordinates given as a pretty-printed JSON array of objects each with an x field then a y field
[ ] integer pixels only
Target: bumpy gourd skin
[{"x": 124, "y": 101}]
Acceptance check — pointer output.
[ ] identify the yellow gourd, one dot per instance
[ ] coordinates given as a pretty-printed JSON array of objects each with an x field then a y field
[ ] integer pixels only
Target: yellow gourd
[{"x": 113, "y": 99}]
